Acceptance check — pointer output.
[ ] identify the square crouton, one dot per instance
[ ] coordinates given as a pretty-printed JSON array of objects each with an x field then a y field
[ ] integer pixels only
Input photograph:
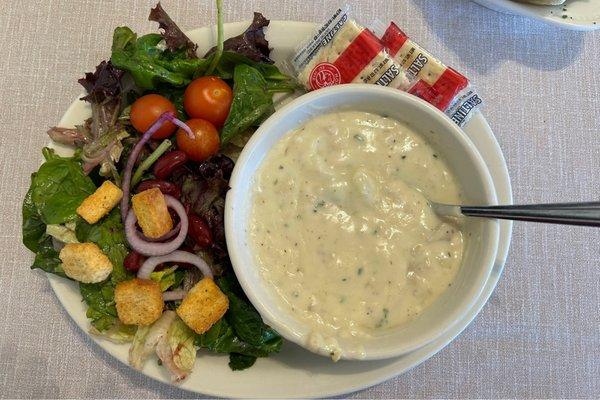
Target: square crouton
[
  {"x": 139, "y": 301},
  {"x": 204, "y": 305},
  {"x": 150, "y": 208},
  {"x": 99, "y": 203},
  {"x": 85, "y": 262}
]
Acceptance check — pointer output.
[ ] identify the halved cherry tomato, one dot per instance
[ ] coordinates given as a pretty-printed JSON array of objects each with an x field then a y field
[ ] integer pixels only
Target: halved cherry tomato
[
  {"x": 205, "y": 142},
  {"x": 146, "y": 110},
  {"x": 208, "y": 98}
]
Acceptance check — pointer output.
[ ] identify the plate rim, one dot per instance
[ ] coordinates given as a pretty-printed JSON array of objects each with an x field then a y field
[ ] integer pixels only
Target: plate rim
[
  {"x": 527, "y": 10},
  {"x": 500, "y": 177}
]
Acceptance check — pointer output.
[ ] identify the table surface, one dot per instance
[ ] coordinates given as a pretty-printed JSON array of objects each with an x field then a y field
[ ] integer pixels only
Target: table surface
[{"x": 539, "y": 334}]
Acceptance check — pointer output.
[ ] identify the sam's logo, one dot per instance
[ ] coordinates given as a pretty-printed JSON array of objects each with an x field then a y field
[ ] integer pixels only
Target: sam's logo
[{"x": 324, "y": 74}]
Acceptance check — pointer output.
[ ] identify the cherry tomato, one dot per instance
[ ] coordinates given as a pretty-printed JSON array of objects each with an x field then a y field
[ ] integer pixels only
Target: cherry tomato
[
  {"x": 205, "y": 142},
  {"x": 208, "y": 98},
  {"x": 146, "y": 110}
]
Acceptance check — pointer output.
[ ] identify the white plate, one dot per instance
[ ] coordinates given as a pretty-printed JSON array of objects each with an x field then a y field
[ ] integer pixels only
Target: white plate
[
  {"x": 581, "y": 15},
  {"x": 295, "y": 372}
]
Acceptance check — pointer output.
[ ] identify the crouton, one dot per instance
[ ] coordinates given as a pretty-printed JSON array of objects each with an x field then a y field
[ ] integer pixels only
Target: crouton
[
  {"x": 85, "y": 262},
  {"x": 204, "y": 305},
  {"x": 150, "y": 208},
  {"x": 139, "y": 301},
  {"x": 99, "y": 203}
]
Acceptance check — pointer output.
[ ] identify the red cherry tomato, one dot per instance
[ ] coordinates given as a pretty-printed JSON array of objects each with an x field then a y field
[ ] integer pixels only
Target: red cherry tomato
[
  {"x": 208, "y": 98},
  {"x": 146, "y": 110},
  {"x": 205, "y": 142}
]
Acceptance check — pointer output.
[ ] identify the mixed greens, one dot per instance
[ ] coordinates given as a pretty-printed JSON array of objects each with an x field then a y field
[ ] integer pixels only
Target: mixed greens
[{"x": 145, "y": 73}]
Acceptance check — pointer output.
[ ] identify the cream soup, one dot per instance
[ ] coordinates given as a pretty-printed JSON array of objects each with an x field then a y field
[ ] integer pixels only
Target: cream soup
[{"x": 342, "y": 229}]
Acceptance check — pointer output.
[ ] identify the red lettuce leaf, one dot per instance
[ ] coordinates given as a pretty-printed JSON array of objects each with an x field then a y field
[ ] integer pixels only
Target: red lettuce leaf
[
  {"x": 102, "y": 84},
  {"x": 173, "y": 36},
  {"x": 252, "y": 43}
]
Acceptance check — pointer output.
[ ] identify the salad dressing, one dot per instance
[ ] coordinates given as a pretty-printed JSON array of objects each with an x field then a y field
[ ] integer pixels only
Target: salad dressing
[{"x": 342, "y": 229}]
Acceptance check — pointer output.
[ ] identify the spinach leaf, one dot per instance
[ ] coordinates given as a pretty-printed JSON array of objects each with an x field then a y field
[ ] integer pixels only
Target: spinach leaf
[
  {"x": 33, "y": 226},
  {"x": 238, "y": 362},
  {"x": 230, "y": 60},
  {"x": 241, "y": 332},
  {"x": 148, "y": 63},
  {"x": 46, "y": 257},
  {"x": 244, "y": 319},
  {"x": 251, "y": 101},
  {"x": 100, "y": 298},
  {"x": 109, "y": 235},
  {"x": 221, "y": 338},
  {"x": 57, "y": 189}
]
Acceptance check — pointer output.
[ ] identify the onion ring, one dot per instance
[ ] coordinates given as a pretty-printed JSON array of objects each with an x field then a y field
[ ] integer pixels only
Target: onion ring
[
  {"x": 135, "y": 152},
  {"x": 173, "y": 295},
  {"x": 164, "y": 237},
  {"x": 152, "y": 248},
  {"x": 178, "y": 256}
]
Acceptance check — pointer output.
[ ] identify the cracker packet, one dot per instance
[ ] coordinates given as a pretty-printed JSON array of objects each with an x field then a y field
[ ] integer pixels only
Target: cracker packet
[
  {"x": 431, "y": 80},
  {"x": 343, "y": 51}
]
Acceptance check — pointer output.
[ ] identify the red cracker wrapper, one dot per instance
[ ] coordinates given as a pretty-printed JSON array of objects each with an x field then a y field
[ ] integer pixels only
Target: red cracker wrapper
[
  {"x": 343, "y": 51},
  {"x": 432, "y": 80}
]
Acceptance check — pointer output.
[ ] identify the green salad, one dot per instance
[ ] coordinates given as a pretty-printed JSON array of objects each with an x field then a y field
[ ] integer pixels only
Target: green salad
[{"x": 135, "y": 216}]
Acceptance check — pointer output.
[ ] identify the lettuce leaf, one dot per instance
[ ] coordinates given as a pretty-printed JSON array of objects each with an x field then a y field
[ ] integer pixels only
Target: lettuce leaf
[
  {"x": 149, "y": 64},
  {"x": 229, "y": 60},
  {"x": 117, "y": 333},
  {"x": 251, "y": 43},
  {"x": 168, "y": 278},
  {"x": 182, "y": 351},
  {"x": 252, "y": 101},
  {"x": 109, "y": 235},
  {"x": 33, "y": 227},
  {"x": 238, "y": 362},
  {"x": 241, "y": 331},
  {"x": 56, "y": 190},
  {"x": 174, "y": 38},
  {"x": 100, "y": 298}
]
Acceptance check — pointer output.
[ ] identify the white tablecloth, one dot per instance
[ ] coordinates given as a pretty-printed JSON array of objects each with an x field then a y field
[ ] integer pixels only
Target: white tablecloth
[{"x": 539, "y": 335}]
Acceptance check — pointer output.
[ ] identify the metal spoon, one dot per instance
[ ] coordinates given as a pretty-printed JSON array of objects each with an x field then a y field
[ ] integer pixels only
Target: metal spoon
[{"x": 582, "y": 214}]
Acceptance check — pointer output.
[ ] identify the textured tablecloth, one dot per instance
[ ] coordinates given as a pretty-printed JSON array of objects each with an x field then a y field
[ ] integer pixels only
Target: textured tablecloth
[{"x": 538, "y": 336}]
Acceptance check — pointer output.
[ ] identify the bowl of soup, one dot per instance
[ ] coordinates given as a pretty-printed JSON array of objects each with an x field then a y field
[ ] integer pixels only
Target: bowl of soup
[{"x": 330, "y": 229}]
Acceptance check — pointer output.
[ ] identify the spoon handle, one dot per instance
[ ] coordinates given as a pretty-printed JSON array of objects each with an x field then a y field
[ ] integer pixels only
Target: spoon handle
[{"x": 582, "y": 214}]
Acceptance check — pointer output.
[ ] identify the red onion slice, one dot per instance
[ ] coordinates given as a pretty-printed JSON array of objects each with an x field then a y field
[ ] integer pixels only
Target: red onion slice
[
  {"x": 153, "y": 248},
  {"x": 173, "y": 295},
  {"x": 177, "y": 256},
  {"x": 167, "y": 116},
  {"x": 164, "y": 237}
]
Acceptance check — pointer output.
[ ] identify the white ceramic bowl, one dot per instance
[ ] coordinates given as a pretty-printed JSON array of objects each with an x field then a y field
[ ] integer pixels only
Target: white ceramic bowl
[{"x": 462, "y": 157}]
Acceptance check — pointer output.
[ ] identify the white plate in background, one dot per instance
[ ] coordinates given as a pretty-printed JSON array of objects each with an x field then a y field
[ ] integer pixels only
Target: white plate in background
[
  {"x": 579, "y": 15},
  {"x": 296, "y": 372}
]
